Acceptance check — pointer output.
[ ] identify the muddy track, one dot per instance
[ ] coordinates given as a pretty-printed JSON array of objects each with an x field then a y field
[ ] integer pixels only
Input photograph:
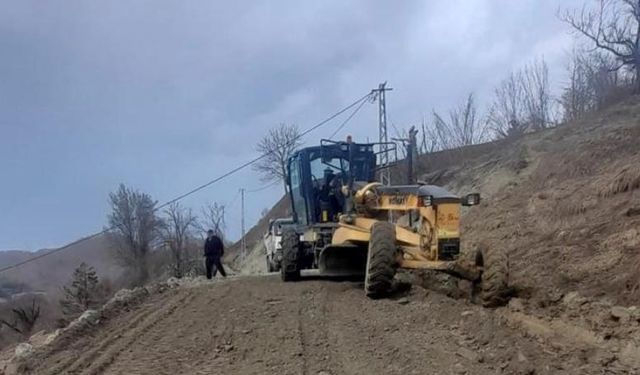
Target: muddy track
[
  {"x": 258, "y": 325},
  {"x": 105, "y": 349}
]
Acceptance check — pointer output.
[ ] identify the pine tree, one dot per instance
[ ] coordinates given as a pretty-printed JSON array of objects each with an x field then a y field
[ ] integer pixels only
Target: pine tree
[{"x": 83, "y": 293}]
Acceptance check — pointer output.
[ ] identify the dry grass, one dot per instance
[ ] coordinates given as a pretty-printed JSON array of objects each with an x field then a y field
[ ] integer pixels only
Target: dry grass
[{"x": 627, "y": 179}]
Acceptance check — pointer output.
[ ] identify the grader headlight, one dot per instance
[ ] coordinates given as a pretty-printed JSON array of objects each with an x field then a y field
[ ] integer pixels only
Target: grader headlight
[
  {"x": 471, "y": 199},
  {"x": 425, "y": 200}
]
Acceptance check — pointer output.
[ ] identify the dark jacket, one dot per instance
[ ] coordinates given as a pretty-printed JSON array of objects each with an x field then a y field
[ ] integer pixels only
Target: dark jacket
[{"x": 213, "y": 247}]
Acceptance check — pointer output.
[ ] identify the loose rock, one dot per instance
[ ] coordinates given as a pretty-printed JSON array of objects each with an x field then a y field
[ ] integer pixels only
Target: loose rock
[
  {"x": 23, "y": 350},
  {"x": 516, "y": 304},
  {"x": 620, "y": 314},
  {"x": 468, "y": 354}
]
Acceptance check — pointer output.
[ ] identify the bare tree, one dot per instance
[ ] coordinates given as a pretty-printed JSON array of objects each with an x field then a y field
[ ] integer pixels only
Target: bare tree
[
  {"x": 604, "y": 79},
  {"x": 576, "y": 96},
  {"x": 537, "y": 97},
  {"x": 213, "y": 217},
  {"x": 135, "y": 227},
  {"x": 506, "y": 115},
  {"x": 613, "y": 27},
  {"x": 522, "y": 101},
  {"x": 429, "y": 142},
  {"x": 464, "y": 127},
  {"x": 593, "y": 83},
  {"x": 401, "y": 137},
  {"x": 177, "y": 234},
  {"x": 82, "y": 293},
  {"x": 277, "y": 146},
  {"x": 23, "y": 319}
]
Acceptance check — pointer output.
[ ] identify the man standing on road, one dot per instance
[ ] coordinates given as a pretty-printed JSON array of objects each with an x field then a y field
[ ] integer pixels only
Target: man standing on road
[{"x": 213, "y": 252}]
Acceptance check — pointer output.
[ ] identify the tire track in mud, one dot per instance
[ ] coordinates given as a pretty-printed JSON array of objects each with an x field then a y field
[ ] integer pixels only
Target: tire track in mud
[
  {"x": 180, "y": 338},
  {"x": 385, "y": 337},
  {"x": 317, "y": 349},
  {"x": 96, "y": 360},
  {"x": 65, "y": 365},
  {"x": 106, "y": 359},
  {"x": 302, "y": 335}
]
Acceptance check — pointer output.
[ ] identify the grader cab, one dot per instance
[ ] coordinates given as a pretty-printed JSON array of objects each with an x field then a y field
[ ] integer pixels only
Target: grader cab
[{"x": 345, "y": 223}]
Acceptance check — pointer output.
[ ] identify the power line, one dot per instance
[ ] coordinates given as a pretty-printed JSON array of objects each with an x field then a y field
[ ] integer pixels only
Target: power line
[
  {"x": 274, "y": 183},
  {"x": 54, "y": 251},
  {"x": 242, "y": 166},
  {"x": 190, "y": 192},
  {"x": 243, "y": 239},
  {"x": 233, "y": 201},
  {"x": 347, "y": 119}
]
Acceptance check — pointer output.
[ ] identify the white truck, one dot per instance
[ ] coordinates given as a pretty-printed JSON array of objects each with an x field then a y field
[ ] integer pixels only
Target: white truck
[{"x": 272, "y": 243}]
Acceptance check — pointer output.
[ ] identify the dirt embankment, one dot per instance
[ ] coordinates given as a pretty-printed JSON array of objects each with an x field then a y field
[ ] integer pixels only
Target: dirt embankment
[{"x": 564, "y": 203}]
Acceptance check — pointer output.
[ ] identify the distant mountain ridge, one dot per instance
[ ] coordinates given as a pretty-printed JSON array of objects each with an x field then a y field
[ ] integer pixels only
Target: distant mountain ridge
[{"x": 50, "y": 273}]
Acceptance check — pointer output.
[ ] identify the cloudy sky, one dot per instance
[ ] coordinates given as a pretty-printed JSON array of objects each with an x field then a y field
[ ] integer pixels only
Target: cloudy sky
[{"x": 166, "y": 95}]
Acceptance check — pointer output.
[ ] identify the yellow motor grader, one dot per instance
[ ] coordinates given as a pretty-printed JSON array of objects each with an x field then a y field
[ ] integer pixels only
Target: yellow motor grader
[{"x": 346, "y": 223}]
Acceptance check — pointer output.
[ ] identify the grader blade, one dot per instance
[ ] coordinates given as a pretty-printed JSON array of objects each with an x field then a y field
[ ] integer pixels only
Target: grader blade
[
  {"x": 464, "y": 270},
  {"x": 342, "y": 261}
]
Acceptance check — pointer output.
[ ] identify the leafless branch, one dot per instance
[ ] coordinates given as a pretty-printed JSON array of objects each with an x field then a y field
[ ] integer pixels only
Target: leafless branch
[
  {"x": 177, "y": 232},
  {"x": 278, "y": 146},
  {"x": 614, "y": 27},
  {"x": 135, "y": 228}
]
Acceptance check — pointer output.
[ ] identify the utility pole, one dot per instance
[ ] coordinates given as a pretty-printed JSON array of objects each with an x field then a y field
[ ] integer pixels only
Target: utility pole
[
  {"x": 222, "y": 226},
  {"x": 243, "y": 241},
  {"x": 385, "y": 173},
  {"x": 411, "y": 151}
]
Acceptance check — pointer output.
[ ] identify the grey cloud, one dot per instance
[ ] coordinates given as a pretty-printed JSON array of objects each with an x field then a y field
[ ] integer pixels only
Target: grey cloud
[{"x": 164, "y": 95}]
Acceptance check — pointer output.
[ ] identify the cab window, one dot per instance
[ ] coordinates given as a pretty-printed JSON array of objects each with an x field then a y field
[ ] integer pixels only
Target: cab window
[{"x": 299, "y": 206}]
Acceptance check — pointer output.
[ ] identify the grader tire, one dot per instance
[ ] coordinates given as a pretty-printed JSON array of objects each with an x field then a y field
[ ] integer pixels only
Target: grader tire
[
  {"x": 381, "y": 266},
  {"x": 290, "y": 266},
  {"x": 495, "y": 277}
]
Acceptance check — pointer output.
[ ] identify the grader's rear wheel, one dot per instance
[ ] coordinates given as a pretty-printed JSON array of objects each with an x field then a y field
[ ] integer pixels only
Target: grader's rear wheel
[
  {"x": 495, "y": 276},
  {"x": 290, "y": 265},
  {"x": 381, "y": 266}
]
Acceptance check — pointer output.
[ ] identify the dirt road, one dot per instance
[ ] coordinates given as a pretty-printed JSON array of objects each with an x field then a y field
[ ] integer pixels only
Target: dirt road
[{"x": 258, "y": 325}]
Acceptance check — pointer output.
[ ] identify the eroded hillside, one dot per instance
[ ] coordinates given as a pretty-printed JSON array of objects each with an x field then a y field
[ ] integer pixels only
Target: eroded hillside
[{"x": 563, "y": 202}]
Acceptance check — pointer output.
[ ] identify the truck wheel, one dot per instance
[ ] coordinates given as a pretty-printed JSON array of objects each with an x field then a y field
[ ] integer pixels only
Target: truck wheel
[
  {"x": 381, "y": 260},
  {"x": 495, "y": 276},
  {"x": 290, "y": 266},
  {"x": 269, "y": 266}
]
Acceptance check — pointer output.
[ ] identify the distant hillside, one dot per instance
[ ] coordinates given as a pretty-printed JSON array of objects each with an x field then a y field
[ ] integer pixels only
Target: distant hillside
[
  {"x": 10, "y": 257},
  {"x": 255, "y": 249},
  {"x": 48, "y": 274}
]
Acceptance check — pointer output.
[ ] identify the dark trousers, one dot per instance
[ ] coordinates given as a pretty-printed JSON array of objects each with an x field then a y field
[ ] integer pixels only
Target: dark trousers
[{"x": 214, "y": 264}]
